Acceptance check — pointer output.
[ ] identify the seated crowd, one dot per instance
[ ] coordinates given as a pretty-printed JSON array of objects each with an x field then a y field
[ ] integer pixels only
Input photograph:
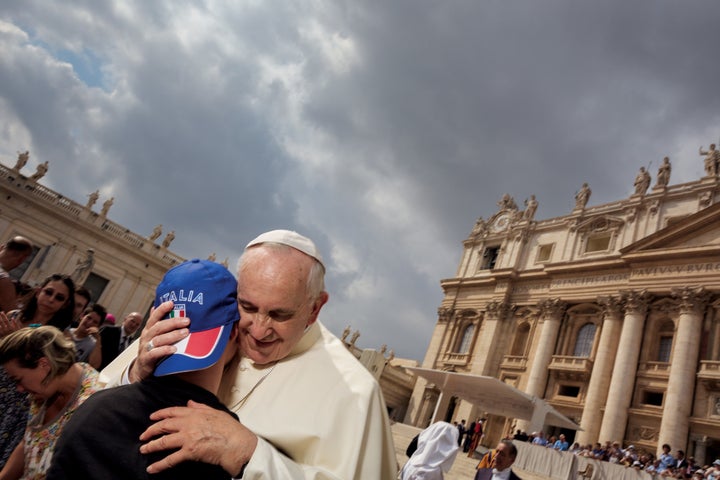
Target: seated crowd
[{"x": 666, "y": 465}]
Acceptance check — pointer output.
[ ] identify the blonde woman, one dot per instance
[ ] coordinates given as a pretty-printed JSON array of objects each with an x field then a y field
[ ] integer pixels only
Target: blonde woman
[
  {"x": 51, "y": 304},
  {"x": 41, "y": 362}
]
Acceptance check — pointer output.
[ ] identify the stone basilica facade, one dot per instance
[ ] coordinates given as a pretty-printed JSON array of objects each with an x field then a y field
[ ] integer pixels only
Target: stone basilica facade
[{"x": 611, "y": 314}]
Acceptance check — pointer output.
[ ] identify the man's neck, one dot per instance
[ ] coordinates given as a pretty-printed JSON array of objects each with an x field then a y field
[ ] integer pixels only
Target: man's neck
[{"x": 208, "y": 378}]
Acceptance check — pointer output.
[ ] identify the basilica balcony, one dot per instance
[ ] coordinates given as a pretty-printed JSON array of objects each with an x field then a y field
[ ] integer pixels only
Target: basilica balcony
[
  {"x": 709, "y": 373},
  {"x": 571, "y": 368},
  {"x": 514, "y": 362},
  {"x": 660, "y": 370},
  {"x": 454, "y": 358}
]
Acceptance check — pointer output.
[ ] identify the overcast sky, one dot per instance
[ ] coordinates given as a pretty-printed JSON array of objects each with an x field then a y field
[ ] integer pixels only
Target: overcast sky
[{"x": 381, "y": 129}]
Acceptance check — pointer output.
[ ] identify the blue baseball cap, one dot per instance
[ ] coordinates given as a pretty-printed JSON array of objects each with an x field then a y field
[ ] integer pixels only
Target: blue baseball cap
[{"x": 205, "y": 292}]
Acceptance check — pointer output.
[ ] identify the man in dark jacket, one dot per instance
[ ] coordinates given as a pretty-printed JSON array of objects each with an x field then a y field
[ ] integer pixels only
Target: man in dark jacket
[{"x": 502, "y": 459}]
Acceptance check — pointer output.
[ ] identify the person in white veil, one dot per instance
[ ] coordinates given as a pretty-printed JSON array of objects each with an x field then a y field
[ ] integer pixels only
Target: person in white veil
[{"x": 435, "y": 454}]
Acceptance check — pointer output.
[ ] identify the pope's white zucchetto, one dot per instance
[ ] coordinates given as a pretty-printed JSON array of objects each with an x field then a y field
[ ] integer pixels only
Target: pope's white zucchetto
[{"x": 291, "y": 239}]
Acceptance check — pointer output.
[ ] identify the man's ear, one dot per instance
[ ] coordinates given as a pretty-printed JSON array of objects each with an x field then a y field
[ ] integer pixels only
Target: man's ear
[{"x": 235, "y": 331}]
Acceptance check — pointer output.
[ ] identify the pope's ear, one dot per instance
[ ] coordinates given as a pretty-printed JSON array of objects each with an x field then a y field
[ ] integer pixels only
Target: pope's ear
[{"x": 319, "y": 302}]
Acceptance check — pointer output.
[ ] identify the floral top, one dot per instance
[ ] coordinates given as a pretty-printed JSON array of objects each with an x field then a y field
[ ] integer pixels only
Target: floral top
[{"x": 40, "y": 439}]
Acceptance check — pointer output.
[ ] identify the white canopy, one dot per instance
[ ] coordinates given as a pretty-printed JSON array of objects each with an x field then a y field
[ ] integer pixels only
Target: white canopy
[{"x": 496, "y": 397}]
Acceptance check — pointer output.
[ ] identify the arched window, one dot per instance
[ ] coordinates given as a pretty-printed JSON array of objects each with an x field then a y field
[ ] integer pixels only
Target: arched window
[
  {"x": 521, "y": 337},
  {"x": 584, "y": 341},
  {"x": 665, "y": 341},
  {"x": 467, "y": 336}
]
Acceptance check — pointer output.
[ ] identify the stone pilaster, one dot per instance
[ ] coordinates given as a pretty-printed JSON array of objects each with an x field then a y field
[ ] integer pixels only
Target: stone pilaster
[
  {"x": 683, "y": 367},
  {"x": 487, "y": 342},
  {"x": 700, "y": 450},
  {"x": 619, "y": 395},
  {"x": 602, "y": 370}
]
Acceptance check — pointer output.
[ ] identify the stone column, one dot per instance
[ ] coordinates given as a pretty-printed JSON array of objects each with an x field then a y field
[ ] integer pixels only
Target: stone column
[
  {"x": 683, "y": 367},
  {"x": 552, "y": 311},
  {"x": 602, "y": 370},
  {"x": 622, "y": 382}
]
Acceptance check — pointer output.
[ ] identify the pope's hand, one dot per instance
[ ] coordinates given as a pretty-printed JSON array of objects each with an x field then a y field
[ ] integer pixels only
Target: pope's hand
[{"x": 199, "y": 433}]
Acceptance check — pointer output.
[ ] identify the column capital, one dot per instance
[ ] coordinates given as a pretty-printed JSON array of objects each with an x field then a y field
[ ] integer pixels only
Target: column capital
[
  {"x": 497, "y": 310},
  {"x": 691, "y": 299},
  {"x": 636, "y": 301},
  {"x": 611, "y": 305},
  {"x": 552, "y": 307},
  {"x": 445, "y": 314}
]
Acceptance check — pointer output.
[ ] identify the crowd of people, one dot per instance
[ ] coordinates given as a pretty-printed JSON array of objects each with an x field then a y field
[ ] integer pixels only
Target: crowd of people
[
  {"x": 276, "y": 395},
  {"x": 676, "y": 466},
  {"x": 49, "y": 356}
]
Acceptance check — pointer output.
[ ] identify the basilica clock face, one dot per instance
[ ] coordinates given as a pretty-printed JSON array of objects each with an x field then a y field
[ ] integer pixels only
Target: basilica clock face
[{"x": 501, "y": 222}]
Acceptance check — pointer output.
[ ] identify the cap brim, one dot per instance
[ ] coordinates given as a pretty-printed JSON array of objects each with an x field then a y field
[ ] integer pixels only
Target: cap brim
[{"x": 197, "y": 351}]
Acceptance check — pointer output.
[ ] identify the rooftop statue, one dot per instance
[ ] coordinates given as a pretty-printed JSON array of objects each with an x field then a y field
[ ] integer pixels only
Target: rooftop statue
[
  {"x": 106, "y": 206},
  {"x": 712, "y": 159},
  {"x": 642, "y": 182},
  {"x": 92, "y": 198},
  {"x": 22, "y": 160},
  {"x": 157, "y": 231},
  {"x": 531, "y": 205},
  {"x": 507, "y": 203},
  {"x": 168, "y": 239},
  {"x": 582, "y": 196},
  {"x": 40, "y": 171},
  {"x": 663, "y": 175}
]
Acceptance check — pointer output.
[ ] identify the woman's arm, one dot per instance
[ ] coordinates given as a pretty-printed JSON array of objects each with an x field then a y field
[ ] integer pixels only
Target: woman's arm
[{"x": 15, "y": 465}]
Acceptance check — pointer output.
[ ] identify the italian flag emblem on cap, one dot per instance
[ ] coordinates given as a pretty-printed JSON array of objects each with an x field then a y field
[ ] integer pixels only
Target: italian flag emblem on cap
[{"x": 177, "y": 311}]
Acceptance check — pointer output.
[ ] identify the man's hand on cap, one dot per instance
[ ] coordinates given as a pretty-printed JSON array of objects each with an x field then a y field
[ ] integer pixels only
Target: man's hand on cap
[{"x": 163, "y": 334}]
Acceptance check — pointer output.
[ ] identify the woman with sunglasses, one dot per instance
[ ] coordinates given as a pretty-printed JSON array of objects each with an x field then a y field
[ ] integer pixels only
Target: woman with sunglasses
[
  {"x": 52, "y": 304},
  {"x": 41, "y": 363}
]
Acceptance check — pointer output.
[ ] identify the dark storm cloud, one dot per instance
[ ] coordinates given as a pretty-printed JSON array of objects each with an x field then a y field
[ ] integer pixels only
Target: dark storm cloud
[{"x": 381, "y": 129}]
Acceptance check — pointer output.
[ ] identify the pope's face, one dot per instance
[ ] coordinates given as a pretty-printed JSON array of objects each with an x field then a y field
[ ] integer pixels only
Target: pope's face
[{"x": 275, "y": 307}]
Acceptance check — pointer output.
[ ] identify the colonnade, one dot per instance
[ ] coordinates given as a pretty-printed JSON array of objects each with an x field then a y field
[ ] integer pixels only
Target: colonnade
[{"x": 614, "y": 372}]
